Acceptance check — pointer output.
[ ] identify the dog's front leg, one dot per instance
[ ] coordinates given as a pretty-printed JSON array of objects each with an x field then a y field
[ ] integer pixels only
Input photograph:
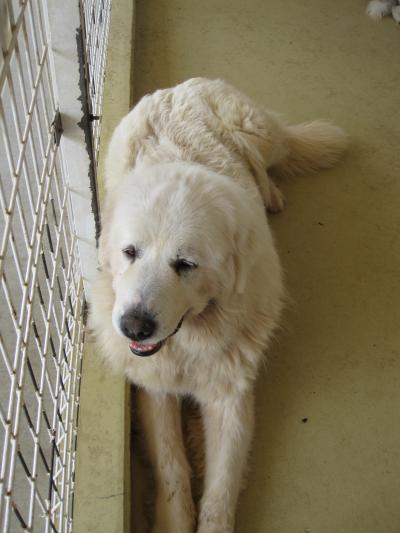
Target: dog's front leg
[
  {"x": 160, "y": 418},
  {"x": 228, "y": 426}
]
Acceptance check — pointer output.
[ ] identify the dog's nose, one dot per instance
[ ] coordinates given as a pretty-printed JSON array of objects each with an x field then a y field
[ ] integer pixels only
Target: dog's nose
[{"x": 138, "y": 326}]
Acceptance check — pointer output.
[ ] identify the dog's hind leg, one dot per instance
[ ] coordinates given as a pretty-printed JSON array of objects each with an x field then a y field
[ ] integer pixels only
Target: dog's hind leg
[
  {"x": 269, "y": 144},
  {"x": 272, "y": 196},
  {"x": 282, "y": 150},
  {"x": 160, "y": 418}
]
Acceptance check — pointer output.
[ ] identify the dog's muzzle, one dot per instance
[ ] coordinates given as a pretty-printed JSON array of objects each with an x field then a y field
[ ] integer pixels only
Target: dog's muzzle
[{"x": 146, "y": 349}]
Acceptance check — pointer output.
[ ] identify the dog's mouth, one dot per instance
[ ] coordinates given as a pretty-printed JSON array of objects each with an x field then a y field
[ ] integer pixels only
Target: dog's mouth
[{"x": 143, "y": 349}]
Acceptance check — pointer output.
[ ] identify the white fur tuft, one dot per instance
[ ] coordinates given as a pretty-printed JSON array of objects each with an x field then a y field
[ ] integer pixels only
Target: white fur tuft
[{"x": 377, "y": 9}]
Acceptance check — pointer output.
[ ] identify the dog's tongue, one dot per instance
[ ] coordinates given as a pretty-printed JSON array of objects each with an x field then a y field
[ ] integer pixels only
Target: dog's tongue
[{"x": 142, "y": 347}]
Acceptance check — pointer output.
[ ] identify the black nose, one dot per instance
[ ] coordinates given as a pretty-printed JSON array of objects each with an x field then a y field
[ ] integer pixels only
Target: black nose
[{"x": 137, "y": 325}]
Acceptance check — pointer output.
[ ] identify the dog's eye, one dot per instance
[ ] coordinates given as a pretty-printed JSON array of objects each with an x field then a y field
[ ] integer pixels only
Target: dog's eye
[
  {"x": 130, "y": 252},
  {"x": 183, "y": 265}
]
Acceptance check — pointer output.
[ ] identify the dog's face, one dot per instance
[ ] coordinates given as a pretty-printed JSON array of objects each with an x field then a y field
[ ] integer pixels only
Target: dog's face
[{"x": 173, "y": 242}]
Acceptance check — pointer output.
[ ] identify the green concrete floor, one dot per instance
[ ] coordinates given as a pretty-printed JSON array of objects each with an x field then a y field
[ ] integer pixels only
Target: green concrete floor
[{"x": 326, "y": 453}]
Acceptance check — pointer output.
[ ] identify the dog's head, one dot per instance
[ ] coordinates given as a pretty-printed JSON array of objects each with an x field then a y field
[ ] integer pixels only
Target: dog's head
[{"x": 175, "y": 237}]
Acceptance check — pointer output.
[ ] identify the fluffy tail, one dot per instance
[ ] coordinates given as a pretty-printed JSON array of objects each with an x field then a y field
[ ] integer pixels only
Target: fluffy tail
[{"x": 311, "y": 146}]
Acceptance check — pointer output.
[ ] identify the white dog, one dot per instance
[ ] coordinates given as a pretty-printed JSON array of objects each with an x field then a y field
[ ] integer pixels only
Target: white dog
[{"x": 190, "y": 289}]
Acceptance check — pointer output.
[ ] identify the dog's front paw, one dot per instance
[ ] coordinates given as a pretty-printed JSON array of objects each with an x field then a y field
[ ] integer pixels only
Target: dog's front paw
[
  {"x": 214, "y": 518},
  {"x": 377, "y": 9},
  {"x": 213, "y": 528}
]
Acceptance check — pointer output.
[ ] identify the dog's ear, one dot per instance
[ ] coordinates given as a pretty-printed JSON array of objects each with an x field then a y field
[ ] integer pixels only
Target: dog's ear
[
  {"x": 103, "y": 255},
  {"x": 245, "y": 212},
  {"x": 104, "y": 252},
  {"x": 243, "y": 257}
]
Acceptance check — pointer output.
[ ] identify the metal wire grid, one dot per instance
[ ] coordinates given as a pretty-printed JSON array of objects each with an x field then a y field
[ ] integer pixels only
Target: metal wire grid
[
  {"x": 95, "y": 22},
  {"x": 41, "y": 293}
]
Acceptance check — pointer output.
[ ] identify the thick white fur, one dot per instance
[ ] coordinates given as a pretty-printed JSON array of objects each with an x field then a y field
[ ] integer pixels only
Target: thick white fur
[{"x": 187, "y": 174}]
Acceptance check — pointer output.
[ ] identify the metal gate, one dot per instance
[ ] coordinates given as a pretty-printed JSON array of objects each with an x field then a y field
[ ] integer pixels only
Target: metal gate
[{"x": 42, "y": 297}]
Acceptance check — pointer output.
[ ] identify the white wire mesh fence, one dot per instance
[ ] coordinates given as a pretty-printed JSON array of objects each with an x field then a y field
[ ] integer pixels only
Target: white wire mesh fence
[
  {"x": 95, "y": 18},
  {"x": 41, "y": 288}
]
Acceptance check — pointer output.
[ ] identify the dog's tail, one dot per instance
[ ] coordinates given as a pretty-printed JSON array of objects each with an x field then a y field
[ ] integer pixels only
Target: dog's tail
[{"x": 311, "y": 146}]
